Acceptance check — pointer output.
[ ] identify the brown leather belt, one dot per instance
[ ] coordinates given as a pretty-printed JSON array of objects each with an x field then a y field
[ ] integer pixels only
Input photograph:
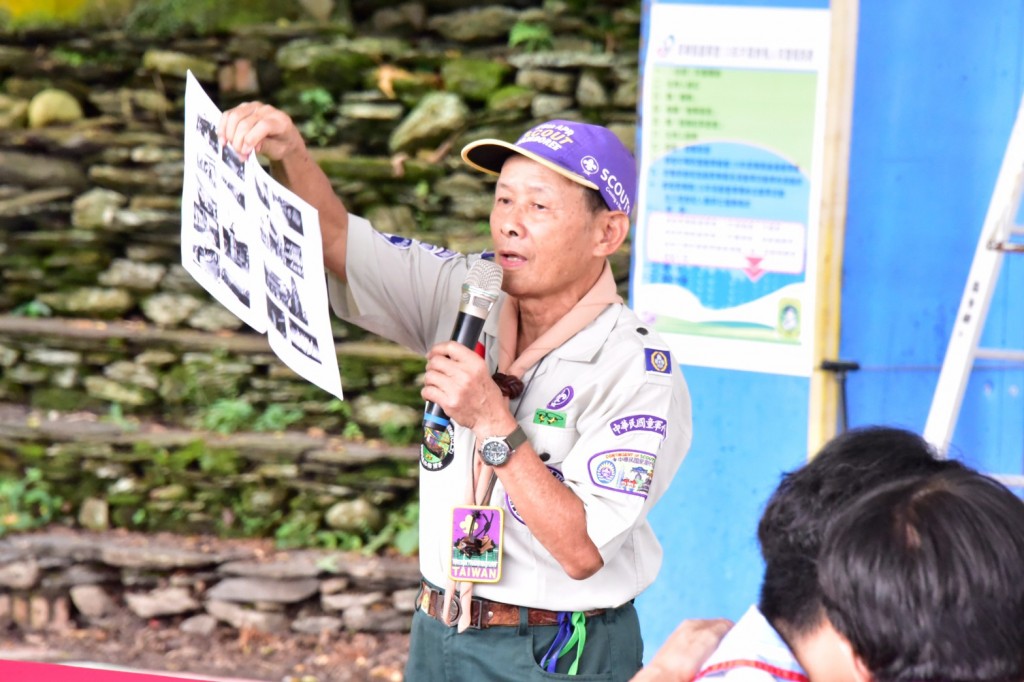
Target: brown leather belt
[{"x": 484, "y": 613}]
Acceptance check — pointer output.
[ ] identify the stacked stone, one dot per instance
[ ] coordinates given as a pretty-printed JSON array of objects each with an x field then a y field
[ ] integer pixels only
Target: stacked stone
[
  {"x": 91, "y": 152},
  {"x": 96, "y": 312},
  {"x": 56, "y": 581}
]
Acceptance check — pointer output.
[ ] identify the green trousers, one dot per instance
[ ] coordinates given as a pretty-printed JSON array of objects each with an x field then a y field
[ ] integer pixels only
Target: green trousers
[{"x": 613, "y": 651}]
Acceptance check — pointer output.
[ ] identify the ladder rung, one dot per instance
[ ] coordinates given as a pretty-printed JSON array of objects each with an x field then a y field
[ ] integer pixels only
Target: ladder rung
[
  {"x": 1010, "y": 247},
  {"x": 1010, "y": 480},
  {"x": 1006, "y": 247},
  {"x": 1000, "y": 354}
]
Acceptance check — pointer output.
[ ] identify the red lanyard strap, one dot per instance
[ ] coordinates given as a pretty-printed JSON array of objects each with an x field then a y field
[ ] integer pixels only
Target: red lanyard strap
[{"x": 780, "y": 673}]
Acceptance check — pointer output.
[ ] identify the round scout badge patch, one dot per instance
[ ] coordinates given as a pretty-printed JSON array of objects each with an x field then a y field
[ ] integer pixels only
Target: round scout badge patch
[{"x": 438, "y": 448}]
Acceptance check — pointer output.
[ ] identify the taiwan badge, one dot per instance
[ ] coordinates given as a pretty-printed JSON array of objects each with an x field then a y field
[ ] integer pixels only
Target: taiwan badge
[{"x": 476, "y": 544}]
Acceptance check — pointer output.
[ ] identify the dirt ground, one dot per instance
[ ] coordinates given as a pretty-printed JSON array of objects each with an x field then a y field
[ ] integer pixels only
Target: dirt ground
[{"x": 159, "y": 647}]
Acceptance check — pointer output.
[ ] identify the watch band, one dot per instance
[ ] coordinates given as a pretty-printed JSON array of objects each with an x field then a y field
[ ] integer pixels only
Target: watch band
[{"x": 516, "y": 438}]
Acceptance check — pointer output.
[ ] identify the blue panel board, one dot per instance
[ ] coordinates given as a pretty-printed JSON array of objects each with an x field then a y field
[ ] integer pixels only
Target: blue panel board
[
  {"x": 748, "y": 429},
  {"x": 937, "y": 90}
]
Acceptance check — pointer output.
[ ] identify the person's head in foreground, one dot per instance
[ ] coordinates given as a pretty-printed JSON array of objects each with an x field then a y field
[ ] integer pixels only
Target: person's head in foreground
[
  {"x": 923, "y": 579},
  {"x": 562, "y": 202},
  {"x": 793, "y": 526}
]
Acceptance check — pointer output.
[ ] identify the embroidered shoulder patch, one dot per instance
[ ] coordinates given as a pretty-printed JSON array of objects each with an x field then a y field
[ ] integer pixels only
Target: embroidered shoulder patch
[
  {"x": 657, "y": 361},
  {"x": 638, "y": 422},
  {"x": 624, "y": 471},
  {"x": 397, "y": 241},
  {"x": 438, "y": 251}
]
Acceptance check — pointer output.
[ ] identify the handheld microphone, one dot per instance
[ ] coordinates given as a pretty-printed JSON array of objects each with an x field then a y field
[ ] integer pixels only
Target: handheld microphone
[{"x": 479, "y": 292}]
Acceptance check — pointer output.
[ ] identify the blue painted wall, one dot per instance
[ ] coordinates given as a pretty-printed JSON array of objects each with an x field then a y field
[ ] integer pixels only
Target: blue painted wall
[
  {"x": 937, "y": 88},
  {"x": 937, "y": 91}
]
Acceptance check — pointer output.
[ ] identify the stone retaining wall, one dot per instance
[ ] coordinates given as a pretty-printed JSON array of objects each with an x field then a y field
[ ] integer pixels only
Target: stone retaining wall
[
  {"x": 56, "y": 580},
  {"x": 98, "y": 321}
]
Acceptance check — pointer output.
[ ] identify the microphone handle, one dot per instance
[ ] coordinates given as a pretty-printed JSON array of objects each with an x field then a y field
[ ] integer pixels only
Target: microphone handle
[{"x": 467, "y": 332}]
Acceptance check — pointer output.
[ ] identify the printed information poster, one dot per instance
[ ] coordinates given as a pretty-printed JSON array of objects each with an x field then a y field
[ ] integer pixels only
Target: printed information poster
[{"x": 731, "y": 147}]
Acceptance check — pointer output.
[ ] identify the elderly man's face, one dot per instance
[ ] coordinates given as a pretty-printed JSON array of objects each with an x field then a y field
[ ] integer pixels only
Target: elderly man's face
[{"x": 544, "y": 234}]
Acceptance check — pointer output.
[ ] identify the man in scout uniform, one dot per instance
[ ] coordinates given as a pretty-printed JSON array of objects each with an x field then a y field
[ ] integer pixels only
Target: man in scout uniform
[{"x": 568, "y": 421}]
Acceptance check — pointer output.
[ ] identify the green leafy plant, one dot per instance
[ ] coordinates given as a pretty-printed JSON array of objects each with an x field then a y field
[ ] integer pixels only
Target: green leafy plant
[
  {"x": 228, "y": 415},
  {"x": 336, "y": 406},
  {"x": 32, "y": 309},
  {"x": 278, "y": 418},
  {"x": 69, "y": 57},
  {"x": 401, "y": 531},
  {"x": 352, "y": 431},
  {"x": 530, "y": 37},
  {"x": 319, "y": 127},
  {"x": 115, "y": 415},
  {"x": 28, "y": 502},
  {"x": 399, "y": 434}
]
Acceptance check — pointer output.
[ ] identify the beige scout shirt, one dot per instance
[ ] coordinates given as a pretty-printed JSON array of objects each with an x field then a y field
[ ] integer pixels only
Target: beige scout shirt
[{"x": 608, "y": 409}]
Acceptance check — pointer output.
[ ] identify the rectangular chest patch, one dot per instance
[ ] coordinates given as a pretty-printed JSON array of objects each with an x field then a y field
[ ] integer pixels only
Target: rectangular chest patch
[
  {"x": 549, "y": 418},
  {"x": 476, "y": 544}
]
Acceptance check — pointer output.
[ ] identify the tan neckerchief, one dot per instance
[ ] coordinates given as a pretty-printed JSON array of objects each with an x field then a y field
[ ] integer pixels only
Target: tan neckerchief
[{"x": 586, "y": 310}]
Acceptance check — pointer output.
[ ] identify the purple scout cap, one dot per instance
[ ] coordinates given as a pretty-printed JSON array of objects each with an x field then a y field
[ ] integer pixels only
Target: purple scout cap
[{"x": 588, "y": 154}]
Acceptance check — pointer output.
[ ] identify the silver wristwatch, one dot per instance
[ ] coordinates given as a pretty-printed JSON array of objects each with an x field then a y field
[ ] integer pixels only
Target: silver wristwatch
[{"x": 497, "y": 449}]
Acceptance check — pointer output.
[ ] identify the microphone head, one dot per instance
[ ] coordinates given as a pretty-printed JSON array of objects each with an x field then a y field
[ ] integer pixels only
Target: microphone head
[{"x": 481, "y": 288}]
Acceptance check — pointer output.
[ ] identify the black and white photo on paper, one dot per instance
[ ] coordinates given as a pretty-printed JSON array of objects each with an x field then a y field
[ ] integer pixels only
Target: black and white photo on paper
[
  {"x": 233, "y": 161},
  {"x": 207, "y": 167},
  {"x": 294, "y": 302},
  {"x": 291, "y": 253},
  {"x": 291, "y": 215},
  {"x": 274, "y": 286},
  {"x": 236, "y": 281},
  {"x": 261, "y": 192},
  {"x": 202, "y": 221},
  {"x": 236, "y": 191},
  {"x": 237, "y": 251},
  {"x": 208, "y": 131},
  {"x": 276, "y": 317},
  {"x": 206, "y": 203},
  {"x": 303, "y": 341},
  {"x": 269, "y": 236},
  {"x": 208, "y": 259}
]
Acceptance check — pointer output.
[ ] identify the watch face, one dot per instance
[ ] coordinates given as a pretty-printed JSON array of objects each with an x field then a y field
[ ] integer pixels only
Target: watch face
[{"x": 494, "y": 452}]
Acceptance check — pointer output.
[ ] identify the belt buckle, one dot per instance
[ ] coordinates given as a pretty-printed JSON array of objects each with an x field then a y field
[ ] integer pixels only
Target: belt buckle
[{"x": 478, "y": 622}]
